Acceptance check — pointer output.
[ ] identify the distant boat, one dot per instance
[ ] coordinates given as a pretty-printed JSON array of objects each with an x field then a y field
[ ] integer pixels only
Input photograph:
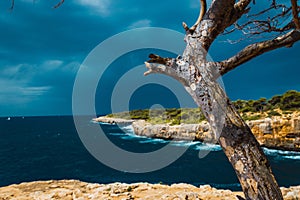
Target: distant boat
[{"x": 8, "y": 118}]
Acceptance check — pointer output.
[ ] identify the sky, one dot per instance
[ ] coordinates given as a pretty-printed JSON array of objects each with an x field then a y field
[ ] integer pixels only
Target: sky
[{"x": 42, "y": 49}]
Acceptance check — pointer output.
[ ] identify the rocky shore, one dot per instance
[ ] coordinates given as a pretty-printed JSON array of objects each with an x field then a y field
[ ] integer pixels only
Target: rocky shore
[
  {"x": 277, "y": 132},
  {"x": 110, "y": 120},
  {"x": 74, "y": 189}
]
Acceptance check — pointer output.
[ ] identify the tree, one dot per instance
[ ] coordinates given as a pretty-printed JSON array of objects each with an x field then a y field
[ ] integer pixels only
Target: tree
[{"x": 199, "y": 77}]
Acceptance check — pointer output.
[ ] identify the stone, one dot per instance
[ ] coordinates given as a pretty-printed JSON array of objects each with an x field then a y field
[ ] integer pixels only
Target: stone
[
  {"x": 74, "y": 189},
  {"x": 277, "y": 132}
]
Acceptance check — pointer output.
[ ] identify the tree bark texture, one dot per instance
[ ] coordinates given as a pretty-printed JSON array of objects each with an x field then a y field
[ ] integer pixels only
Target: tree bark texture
[
  {"x": 229, "y": 129},
  {"x": 200, "y": 79}
]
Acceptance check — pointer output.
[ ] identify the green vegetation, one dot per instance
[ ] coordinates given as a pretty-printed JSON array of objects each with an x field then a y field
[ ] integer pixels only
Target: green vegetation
[
  {"x": 252, "y": 117},
  {"x": 129, "y": 189},
  {"x": 272, "y": 113},
  {"x": 172, "y": 116},
  {"x": 288, "y": 101},
  {"x": 250, "y": 110}
]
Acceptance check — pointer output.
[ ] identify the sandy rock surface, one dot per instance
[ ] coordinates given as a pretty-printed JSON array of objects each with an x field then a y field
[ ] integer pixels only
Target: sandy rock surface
[
  {"x": 278, "y": 132},
  {"x": 78, "y": 190}
]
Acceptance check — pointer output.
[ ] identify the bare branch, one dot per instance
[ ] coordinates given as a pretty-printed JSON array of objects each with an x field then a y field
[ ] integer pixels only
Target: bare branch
[
  {"x": 201, "y": 14},
  {"x": 257, "y": 49},
  {"x": 295, "y": 13},
  {"x": 242, "y": 5},
  {"x": 185, "y": 26},
  {"x": 240, "y": 8},
  {"x": 56, "y": 6},
  {"x": 274, "y": 19},
  {"x": 59, "y": 4},
  {"x": 273, "y": 6},
  {"x": 157, "y": 59},
  {"x": 173, "y": 67},
  {"x": 199, "y": 79},
  {"x": 221, "y": 9}
]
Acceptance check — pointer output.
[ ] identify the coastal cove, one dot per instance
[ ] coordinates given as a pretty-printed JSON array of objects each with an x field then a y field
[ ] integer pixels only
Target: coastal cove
[
  {"x": 47, "y": 148},
  {"x": 74, "y": 189},
  {"x": 276, "y": 132}
]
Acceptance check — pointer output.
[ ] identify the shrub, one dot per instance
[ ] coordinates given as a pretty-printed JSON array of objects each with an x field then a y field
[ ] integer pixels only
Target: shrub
[
  {"x": 288, "y": 101},
  {"x": 273, "y": 113}
]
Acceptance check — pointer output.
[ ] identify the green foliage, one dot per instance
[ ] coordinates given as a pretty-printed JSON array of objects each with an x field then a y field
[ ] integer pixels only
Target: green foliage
[
  {"x": 173, "y": 116},
  {"x": 275, "y": 101},
  {"x": 129, "y": 189},
  {"x": 273, "y": 113},
  {"x": 288, "y": 101},
  {"x": 250, "y": 110},
  {"x": 252, "y": 117}
]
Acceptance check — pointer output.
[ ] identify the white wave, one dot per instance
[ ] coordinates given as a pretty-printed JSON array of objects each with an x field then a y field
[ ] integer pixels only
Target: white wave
[
  {"x": 208, "y": 147},
  {"x": 292, "y": 157},
  {"x": 131, "y": 136},
  {"x": 127, "y": 129},
  {"x": 101, "y": 123},
  {"x": 184, "y": 143},
  {"x": 153, "y": 141},
  {"x": 127, "y": 137},
  {"x": 280, "y": 154}
]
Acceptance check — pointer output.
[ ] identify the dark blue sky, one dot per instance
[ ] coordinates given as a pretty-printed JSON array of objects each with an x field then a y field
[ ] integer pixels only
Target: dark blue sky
[{"x": 42, "y": 48}]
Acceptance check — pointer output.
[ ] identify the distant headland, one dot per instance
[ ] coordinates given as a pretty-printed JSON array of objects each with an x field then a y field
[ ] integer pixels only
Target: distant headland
[{"x": 274, "y": 122}]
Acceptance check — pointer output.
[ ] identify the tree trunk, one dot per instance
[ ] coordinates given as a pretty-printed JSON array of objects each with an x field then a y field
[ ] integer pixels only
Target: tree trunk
[
  {"x": 199, "y": 77},
  {"x": 228, "y": 128},
  {"x": 249, "y": 162},
  {"x": 235, "y": 137}
]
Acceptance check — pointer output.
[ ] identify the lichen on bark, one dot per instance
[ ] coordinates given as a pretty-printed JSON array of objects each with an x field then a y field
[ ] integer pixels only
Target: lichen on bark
[{"x": 199, "y": 77}]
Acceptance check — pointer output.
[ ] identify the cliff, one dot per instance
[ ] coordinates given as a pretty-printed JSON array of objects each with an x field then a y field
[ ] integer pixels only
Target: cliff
[
  {"x": 280, "y": 132},
  {"x": 73, "y": 189},
  {"x": 277, "y": 132},
  {"x": 110, "y": 120}
]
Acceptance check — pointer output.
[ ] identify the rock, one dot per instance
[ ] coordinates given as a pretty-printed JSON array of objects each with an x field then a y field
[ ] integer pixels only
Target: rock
[
  {"x": 188, "y": 132},
  {"x": 109, "y": 120},
  {"x": 276, "y": 132},
  {"x": 74, "y": 189},
  {"x": 291, "y": 193}
]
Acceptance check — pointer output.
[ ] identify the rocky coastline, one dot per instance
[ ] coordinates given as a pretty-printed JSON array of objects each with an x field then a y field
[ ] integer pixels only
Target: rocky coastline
[
  {"x": 74, "y": 189},
  {"x": 109, "y": 120},
  {"x": 276, "y": 132}
]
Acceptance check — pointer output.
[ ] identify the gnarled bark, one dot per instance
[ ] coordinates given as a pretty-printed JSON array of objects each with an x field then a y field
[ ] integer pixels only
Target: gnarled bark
[
  {"x": 199, "y": 77},
  {"x": 232, "y": 133}
]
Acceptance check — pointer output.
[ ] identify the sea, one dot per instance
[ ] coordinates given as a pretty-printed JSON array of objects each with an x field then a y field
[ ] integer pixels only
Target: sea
[{"x": 44, "y": 148}]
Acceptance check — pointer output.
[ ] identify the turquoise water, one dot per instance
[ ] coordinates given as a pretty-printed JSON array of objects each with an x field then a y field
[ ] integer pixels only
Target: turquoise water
[{"x": 42, "y": 148}]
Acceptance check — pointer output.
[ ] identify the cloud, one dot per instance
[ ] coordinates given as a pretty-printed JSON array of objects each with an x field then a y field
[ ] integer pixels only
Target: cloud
[
  {"x": 140, "y": 23},
  {"x": 42, "y": 48},
  {"x": 98, "y": 6},
  {"x": 52, "y": 64},
  {"x": 14, "y": 92},
  {"x": 35, "y": 91},
  {"x": 10, "y": 71},
  {"x": 25, "y": 83}
]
